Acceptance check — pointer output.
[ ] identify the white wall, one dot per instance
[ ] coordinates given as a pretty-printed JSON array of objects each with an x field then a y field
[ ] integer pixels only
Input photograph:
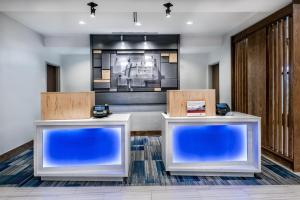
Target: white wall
[
  {"x": 193, "y": 71},
  {"x": 22, "y": 78},
  {"x": 75, "y": 73},
  {"x": 193, "y": 43},
  {"x": 223, "y": 57}
]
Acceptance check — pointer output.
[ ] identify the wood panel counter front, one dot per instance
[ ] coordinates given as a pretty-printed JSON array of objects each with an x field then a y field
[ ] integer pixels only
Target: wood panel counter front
[
  {"x": 177, "y": 101},
  {"x": 67, "y": 105}
]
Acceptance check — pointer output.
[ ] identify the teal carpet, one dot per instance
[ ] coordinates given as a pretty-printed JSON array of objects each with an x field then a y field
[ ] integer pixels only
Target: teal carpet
[{"x": 146, "y": 168}]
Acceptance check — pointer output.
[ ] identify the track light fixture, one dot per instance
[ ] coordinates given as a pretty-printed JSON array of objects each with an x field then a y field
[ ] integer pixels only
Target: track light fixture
[
  {"x": 93, "y": 8},
  {"x": 135, "y": 19},
  {"x": 168, "y": 9}
]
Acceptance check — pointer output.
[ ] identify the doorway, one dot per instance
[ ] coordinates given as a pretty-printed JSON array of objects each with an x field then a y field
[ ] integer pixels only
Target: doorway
[
  {"x": 214, "y": 79},
  {"x": 53, "y": 78}
]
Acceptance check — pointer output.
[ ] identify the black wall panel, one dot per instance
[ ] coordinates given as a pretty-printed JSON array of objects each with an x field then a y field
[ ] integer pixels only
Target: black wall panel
[
  {"x": 169, "y": 70},
  {"x": 106, "y": 61},
  {"x": 137, "y": 42},
  {"x": 129, "y": 98}
]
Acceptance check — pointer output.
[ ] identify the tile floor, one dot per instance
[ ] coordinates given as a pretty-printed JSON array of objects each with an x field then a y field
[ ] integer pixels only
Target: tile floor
[{"x": 281, "y": 192}]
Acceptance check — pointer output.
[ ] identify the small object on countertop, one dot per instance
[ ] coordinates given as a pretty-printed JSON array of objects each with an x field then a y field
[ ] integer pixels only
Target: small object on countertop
[
  {"x": 229, "y": 114},
  {"x": 100, "y": 111},
  {"x": 222, "y": 109},
  {"x": 195, "y": 108}
]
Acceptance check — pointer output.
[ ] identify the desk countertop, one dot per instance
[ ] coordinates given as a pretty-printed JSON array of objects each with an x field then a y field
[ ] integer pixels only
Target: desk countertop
[
  {"x": 232, "y": 116},
  {"x": 111, "y": 118}
]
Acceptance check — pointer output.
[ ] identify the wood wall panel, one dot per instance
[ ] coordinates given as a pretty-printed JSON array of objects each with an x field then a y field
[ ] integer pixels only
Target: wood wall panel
[
  {"x": 290, "y": 111},
  {"x": 278, "y": 91},
  {"x": 71, "y": 105},
  {"x": 256, "y": 77},
  {"x": 177, "y": 99},
  {"x": 240, "y": 76},
  {"x": 272, "y": 81},
  {"x": 295, "y": 78}
]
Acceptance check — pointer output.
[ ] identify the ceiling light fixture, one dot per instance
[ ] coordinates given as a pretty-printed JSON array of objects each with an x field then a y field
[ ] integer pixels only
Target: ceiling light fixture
[
  {"x": 189, "y": 22},
  {"x": 81, "y": 22},
  {"x": 93, "y": 8},
  {"x": 135, "y": 19},
  {"x": 168, "y": 9}
]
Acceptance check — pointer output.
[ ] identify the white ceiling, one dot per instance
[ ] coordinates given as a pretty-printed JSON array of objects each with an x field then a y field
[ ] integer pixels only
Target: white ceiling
[
  {"x": 53, "y": 18},
  {"x": 142, "y": 5},
  {"x": 56, "y": 23},
  {"x": 59, "y": 17}
]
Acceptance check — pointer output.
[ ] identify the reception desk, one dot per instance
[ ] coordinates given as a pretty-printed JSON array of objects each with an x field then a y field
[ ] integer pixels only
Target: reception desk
[
  {"x": 212, "y": 145},
  {"x": 83, "y": 149}
]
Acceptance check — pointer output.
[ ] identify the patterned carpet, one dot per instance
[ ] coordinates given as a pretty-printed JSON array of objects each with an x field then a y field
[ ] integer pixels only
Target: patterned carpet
[{"x": 146, "y": 168}]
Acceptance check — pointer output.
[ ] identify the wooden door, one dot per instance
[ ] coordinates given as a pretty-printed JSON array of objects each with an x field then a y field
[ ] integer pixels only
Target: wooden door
[
  {"x": 215, "y": 80},
  {"x": 53, "y": 78}
]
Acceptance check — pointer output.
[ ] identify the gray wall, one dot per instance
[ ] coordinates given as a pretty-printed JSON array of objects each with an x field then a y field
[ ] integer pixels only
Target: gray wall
[
  {"x": 22, "y": 78},
  {"x": 223, "y": 57},
  {"x": 193, "y": 71},
  {"x": 75, "y": 73}
]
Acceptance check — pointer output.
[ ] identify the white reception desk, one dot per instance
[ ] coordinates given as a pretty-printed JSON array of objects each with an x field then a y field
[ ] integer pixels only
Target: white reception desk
[
  {"x": 88, "y": 149},
  {"x": 212, "y": 146}
]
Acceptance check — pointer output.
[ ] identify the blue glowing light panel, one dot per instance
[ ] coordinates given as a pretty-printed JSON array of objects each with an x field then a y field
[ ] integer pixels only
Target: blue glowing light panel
[
  {"x": 209, "y": 143},
  {"x": 82, "y": 147}
]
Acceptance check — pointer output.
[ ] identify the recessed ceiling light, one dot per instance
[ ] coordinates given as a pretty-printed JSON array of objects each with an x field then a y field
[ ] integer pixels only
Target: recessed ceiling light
[
  {"x": 81, "y": 22},
  {"x": 138, "y": 23},
  {"x": 135, "y": 19},
  {"x": 189, "y": 22}
]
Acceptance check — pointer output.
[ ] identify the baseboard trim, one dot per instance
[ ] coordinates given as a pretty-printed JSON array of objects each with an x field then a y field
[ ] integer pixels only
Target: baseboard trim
[
  {"x": 145, "y": 133},
  {"x": 278, "y": 158},
  {"x": 16, "y": 151}
]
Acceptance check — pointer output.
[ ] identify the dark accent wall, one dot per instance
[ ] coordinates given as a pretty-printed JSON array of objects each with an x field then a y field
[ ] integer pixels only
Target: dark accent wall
[
  {"x": 111, "y": 44},
  {"x": 129, "y": 98},
  {"x": 135, "y": 42}
]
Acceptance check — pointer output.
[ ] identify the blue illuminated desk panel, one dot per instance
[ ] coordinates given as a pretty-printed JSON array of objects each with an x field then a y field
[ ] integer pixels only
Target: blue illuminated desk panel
[
  {"x": 94, "y": 149},
  {"x": 220, "y": 145},
  {"x": 67, "y": 147}
]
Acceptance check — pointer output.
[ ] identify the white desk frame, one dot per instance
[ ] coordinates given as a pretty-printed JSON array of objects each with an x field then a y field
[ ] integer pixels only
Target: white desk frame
[
  {"x": 84, "y": 173},
  {"x": 238, "y": 168}
]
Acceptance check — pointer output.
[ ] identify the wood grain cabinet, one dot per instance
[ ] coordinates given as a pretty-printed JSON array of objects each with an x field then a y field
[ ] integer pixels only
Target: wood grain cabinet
[
  {"x": 67, "y": 105},
  {"x": 177, "y": 101}
]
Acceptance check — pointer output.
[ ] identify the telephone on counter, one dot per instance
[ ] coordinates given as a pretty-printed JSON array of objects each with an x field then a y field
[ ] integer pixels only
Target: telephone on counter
[
  {"x": 222, "y": 109},
  {"x": 100, "y": 111}
]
